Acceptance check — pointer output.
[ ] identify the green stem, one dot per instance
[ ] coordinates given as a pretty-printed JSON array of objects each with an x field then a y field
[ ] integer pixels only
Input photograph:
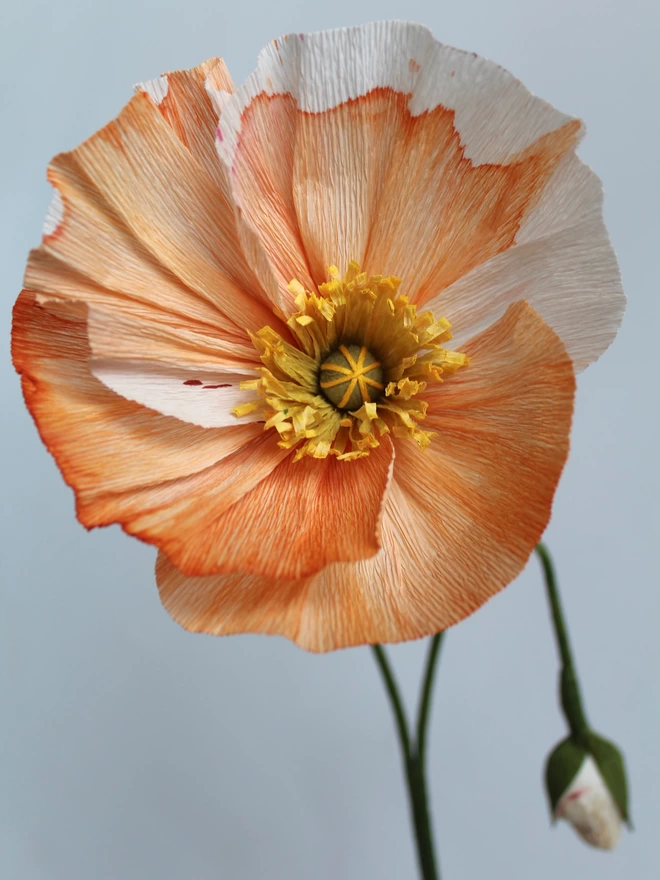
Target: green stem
[
  {"x": 571, "y": 699},
  {"x": 413, "y": 754},
  {"x": 419, "y": 805},
  {"x": 395, "y": 699},
  {"x": 425, "y": 701}
]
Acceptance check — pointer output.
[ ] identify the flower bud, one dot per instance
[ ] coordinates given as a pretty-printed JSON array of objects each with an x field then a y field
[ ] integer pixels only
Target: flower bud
[{"x": 586, "y": 785}]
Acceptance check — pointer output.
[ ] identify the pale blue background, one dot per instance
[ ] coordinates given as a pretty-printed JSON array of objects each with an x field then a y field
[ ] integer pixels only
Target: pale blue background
[{"x": 133, "y": 750}]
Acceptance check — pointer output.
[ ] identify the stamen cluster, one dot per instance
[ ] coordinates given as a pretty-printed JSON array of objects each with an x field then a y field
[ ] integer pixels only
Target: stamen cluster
[{"x": 358, "y": 310}]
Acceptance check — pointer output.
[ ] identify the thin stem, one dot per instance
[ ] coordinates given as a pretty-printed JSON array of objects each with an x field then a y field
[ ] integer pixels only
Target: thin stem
[
  {"x": 425, "y": 700},
  {"x": 569, "y": 687},
  {"x": 395, "y": 699},
  {"x": 413, "y": 754},
  {"x": 419, "y": 804},
  {"x": 561, "y": 633}
]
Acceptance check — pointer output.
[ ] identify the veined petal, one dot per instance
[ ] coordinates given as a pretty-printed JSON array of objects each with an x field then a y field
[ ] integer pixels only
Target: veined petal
[
  {"x": 379, "y": 144},
  {"x": 502, "y": 443},
  {"x": 299, "y": 518},
  {"x": 384, "y": 129},
  {"x": 200, "y": 397},
  {"x": 160, "y": 191},
  {"x": 108, "y": 448},
  {"x": 177, "y": 330},
  {"x": 181, "y": 487},
  {"x": 562, "y": 263},
  {"x": 263, "y": 187},
  {"x": 143, "y": 217},
  {"x": 189, "y": 100},
  {"x": 182, "y": 98}
]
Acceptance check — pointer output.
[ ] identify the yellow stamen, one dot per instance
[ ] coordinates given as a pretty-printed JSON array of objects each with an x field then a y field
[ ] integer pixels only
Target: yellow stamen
[{"x": 307, "y": 393}]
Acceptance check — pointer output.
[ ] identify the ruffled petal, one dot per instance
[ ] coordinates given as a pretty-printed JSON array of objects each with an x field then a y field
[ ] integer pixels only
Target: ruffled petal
[
  {"x": 486, "y": 482},
  {"x": 302, "y": 516},
  {"x": 376, "y": 132},
  {"x": 143, "y": 230},
  {"x": 183, "y": 99},
  {"x": 111, "y": 451},
  {"x": 379, "y": 144},
  {"x": 562, "y": 263}
]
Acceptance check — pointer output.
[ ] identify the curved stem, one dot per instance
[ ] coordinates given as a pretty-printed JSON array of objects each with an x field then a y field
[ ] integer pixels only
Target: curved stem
[
  {"x": 570, "y": 690},
  {"x": 425, "y": 701},
  {"x": 561, "y": 633},
  {"x": 395, "y": 699},
  {"x": 413, "y": 754}
]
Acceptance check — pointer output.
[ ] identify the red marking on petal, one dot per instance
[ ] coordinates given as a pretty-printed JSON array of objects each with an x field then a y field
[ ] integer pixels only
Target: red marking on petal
[
  {"x": 218, "y": 133},
  {"x": 574, "y": 795},
  {"x": 216, "y": 386},
  {"x": 193, "y": 382}
]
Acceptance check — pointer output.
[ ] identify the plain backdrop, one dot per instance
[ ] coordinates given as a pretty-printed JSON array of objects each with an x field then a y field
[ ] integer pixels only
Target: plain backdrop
[{"x": 133, "y": 750}]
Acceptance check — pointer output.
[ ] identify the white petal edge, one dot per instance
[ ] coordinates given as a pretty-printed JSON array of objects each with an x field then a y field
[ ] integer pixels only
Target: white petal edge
[
  {"x": 590, "y": 808},
  {"x": 185, "y": 394},
  {"x": 54, "y": 214},
  {"x": 563, "y": 263},
  {"x": 496, "y": 116},
  {"x": 156, "y": 88}
]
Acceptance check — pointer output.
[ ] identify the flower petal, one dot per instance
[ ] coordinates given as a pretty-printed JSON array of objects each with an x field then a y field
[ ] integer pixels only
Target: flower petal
[
  {"x": 143, "y": 220},
  {"x": 590, "y": 808},
  {"x": 183, "y": 100},
  {"x": 411, "y": 157},
  {"x": 106, "y": 447},
  {"x": 179, "y": 330},
  {"x": 301, "y": 517},
  {"x": 181, "y": 487},
  {"x": 263, "y": 187},
  {"x": 489, "y": 476},
  {"x": 199, "y": 397},
  {"x": 562, "y": 263},
  {"x": 190, "y": 101},
  {"x": 486, "y": 481}
]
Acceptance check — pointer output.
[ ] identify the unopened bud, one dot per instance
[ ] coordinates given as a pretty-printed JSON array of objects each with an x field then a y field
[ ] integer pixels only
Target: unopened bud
[{"x": 586, "y": 785}]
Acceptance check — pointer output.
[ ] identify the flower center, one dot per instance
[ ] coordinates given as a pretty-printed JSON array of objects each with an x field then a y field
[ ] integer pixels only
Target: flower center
[
  {"x": 362, "y": 358},
  {"x": 351, "y": 376}
]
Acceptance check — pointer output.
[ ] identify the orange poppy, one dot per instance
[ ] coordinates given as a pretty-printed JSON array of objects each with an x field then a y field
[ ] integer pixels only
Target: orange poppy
[{"x": 233, "y": 337}]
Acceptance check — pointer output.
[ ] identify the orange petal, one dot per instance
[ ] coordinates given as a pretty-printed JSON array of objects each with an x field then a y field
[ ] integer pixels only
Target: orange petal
[
  {"x": 182, "y": 98},
  {"x": 142, "y": 218},
  {"x": 176, "y": 329},
  {"x": 264, "y": 186},
  {"x": 383, "y": 136},
  {"x": 106, "y": 447},
  {"x": 181, "y": 487},
  {"x": 298, "y": 519},
  {"x": 459, "y": 522},
  {"x": 160, "y": 191},
  {"x": 428, "y": 163},
  {"x": 440, "y": 214},
  {"x": 562, "y": 263},
  {"x": 189, "y": 100}
]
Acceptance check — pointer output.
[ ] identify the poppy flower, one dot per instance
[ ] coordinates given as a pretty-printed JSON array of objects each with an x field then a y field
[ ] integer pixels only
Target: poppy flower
[{"x": 234, "y": 337}]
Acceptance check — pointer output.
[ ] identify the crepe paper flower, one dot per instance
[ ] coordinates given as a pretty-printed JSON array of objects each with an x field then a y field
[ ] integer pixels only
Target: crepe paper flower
[
  {"x": 234, "y": 337},
  {"x": 587, "y": 786}
]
